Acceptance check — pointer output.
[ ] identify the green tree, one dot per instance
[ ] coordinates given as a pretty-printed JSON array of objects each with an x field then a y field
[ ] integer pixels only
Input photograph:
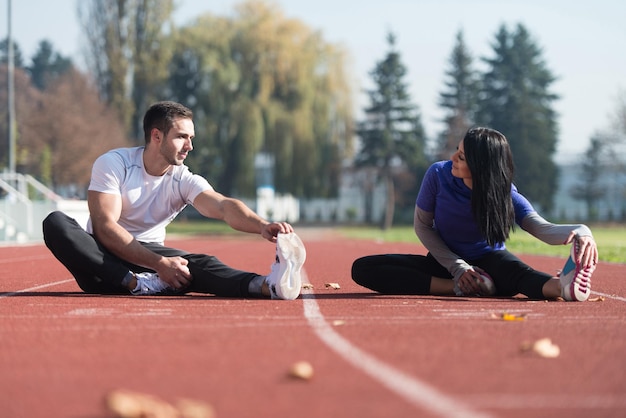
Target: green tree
[
  {"x": 128, "y": 53},
  {"x": 18, "y": 59},
  {"x": 262, "y": 83},
  {"x": 592, "y": 166},
  {"x": 516, "y": 100},
  {"x": 459, "y": 98},
  {"x": 391, "y": 133},
  {"x": 47, "y": 65}
]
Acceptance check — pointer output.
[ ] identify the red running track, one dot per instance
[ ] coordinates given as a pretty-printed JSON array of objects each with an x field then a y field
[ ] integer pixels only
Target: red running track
[{"x": 62, "y": 351}]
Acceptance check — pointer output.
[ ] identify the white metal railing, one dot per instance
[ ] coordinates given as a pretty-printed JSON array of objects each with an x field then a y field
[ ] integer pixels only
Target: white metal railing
[{"x": 25, "y": 202}]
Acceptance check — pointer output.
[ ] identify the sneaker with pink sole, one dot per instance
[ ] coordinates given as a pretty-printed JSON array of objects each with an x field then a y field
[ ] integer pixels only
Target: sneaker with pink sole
[{"x": 575, "y": 280}]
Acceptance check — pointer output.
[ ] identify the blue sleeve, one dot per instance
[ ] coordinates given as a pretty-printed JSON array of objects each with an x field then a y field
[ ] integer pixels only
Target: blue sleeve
[
  {"x": 428, "y": 190},
  {"x": 521, "y": 205}
]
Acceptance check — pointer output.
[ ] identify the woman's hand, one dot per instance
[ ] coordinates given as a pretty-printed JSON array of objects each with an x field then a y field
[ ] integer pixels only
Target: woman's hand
[
  {"x": 468, "y": 282},
  {"x": 588, "y": 250}
]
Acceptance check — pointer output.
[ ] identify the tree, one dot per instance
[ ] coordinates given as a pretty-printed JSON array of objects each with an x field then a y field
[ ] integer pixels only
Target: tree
[
  {"x": 47, "y": 65},
  {"x": 459, "y": 99},
  {"x": 128, "y": 53},
  {"x": 516, "y": 100},
  {"x": 18, "y": 60},
  {"x": 391, "y": 133},
  {"x": 593, "y": 166},
  {"x": 262, "y": 83},
  {"x": 64, "y": 129}
]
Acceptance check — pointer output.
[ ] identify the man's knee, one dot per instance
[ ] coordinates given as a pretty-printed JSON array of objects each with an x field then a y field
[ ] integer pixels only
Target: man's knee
[{"x": 53, "y": 222}]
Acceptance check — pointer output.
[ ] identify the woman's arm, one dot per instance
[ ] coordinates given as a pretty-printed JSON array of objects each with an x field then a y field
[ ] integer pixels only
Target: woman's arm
[
  {"x": 562, "y": 234},
  {"x": 423, "y": 225}
]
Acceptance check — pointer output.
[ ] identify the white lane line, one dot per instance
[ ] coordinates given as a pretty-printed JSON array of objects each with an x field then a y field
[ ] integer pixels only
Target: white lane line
[
  {"x": 30, "y": 289},
  {"x": 20, "y": 259},
  {"x": 606, "y": 295},
  {"x": 407, "y": 387}
]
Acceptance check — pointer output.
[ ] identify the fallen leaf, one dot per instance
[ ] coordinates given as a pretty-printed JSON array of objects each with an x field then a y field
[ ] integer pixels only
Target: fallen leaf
[
  {"x": 512, "y": 317},
  {"x": 191, "y": 408},
  {"x": 301, "y": 370},
  {"x": 543, "y": 347},
  {"x": 129, "y": 404},
  {"x": 332, "y": 286},
  {"x": 338, "y": 322},
  {"x": 307, "y": 286},
  {"x": 597, "y": 299}
]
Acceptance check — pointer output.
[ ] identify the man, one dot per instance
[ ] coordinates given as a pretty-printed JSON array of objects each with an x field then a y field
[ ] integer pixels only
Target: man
[{"x": 134, "y": 194}]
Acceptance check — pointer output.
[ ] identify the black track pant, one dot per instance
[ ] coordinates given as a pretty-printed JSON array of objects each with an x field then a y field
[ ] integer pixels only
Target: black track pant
[
  {"x": 96, "y": 270},
  {"x": 409, "y": 274}
]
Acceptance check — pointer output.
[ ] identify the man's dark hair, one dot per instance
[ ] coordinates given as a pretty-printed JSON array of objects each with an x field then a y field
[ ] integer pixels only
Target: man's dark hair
[{"x": 161, "y": 116}]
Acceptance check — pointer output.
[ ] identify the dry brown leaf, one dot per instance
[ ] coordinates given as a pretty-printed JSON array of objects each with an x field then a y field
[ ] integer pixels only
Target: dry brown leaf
[
  {"x": 512, "y": 317},
  {"x": 338, "y": 322},
  {"x": 307, "y": 286},
  {"x": 596, "y": 299},
  {"x": 543, "y": 347},
  {"x": 129, "y": 404},
  {"x": 332, "y": 286},
  {"x": 191, "y": 408},
  {"x": 301, "y": 370}
]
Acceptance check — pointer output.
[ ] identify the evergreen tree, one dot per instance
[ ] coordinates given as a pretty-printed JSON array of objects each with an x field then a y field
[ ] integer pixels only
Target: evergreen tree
[
  {"x": 18, "y": 60},
  {"x": 392, "y": 132},
  {"x": 459, "y": 99},
  {"x": 47, "y": 65},
  {"x": 517, "y": 101},
  {"x": 592, "y": 166}
]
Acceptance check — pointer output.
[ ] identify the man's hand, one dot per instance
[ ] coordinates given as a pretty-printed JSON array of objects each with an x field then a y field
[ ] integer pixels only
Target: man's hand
[
  {"x": 271, "y": 230},
  {"x": 174, "y": 271}
]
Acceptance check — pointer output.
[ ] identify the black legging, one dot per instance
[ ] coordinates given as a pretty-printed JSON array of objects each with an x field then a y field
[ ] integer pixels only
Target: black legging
[
  {"x": 97, "y": 270},
  {"x": 409, "y": 274}
]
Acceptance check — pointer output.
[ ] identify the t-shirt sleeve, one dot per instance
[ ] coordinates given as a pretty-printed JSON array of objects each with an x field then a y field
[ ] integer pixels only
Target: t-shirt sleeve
[
  {"x": 192, "y": 185},
  {"x": 107, "y": 174},
  {"x": 428, "y": 190},
  {"x": 521, "y": 205}
]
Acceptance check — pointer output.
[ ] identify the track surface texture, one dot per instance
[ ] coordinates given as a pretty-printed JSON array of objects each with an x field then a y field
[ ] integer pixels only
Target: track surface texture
[{"x": 62, "y": 351}]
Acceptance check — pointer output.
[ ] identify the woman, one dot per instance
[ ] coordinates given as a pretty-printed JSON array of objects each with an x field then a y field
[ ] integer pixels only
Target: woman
[{"x": 464, "y": 213}]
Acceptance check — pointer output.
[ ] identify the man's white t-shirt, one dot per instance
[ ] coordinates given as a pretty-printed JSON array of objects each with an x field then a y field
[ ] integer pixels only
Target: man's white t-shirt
[{"x": 149, "y": 203}]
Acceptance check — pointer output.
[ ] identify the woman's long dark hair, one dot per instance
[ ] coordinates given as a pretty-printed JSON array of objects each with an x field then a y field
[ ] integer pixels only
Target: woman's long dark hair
[{"x": 490, "y": 161}]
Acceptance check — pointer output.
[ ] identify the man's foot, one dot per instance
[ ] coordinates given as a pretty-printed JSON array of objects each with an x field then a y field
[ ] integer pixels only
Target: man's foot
[
  {"x": 285, "y": 279},
  {"x": 149, "y": 284},
  {"x": 575, "y": 280}
]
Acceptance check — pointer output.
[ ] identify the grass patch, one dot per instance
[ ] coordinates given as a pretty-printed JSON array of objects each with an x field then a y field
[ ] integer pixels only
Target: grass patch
[
  {"x": 200, "y": 227},
  {"x": 611, "y": 240}
]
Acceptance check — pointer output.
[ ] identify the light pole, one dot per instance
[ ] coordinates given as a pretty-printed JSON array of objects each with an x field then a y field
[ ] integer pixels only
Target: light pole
[{"x": 11, "y": 95}]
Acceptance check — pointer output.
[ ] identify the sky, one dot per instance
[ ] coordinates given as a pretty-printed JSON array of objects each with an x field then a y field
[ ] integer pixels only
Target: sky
[{"x": 582, "y": 44}]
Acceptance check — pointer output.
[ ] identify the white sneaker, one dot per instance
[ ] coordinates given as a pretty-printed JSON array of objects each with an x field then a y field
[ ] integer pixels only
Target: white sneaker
[
  {"x": 149, "y": 284},
  {"x": 285, "y": 280},
  {"x": 575, "y": 281}
]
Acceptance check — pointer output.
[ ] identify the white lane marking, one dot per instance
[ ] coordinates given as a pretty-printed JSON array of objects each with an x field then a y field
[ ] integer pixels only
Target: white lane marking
[
  {"x": 553, "y": 400},
  {"x": 606, "y": 295},
  {"x": 30, "y": 289},
  {"x": 21, "y": 259},
  {"x": 411, "y": 389}
]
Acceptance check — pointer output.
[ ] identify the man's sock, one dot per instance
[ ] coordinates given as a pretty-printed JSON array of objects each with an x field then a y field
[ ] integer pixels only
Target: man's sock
[{"x": 256, "y": 284}]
